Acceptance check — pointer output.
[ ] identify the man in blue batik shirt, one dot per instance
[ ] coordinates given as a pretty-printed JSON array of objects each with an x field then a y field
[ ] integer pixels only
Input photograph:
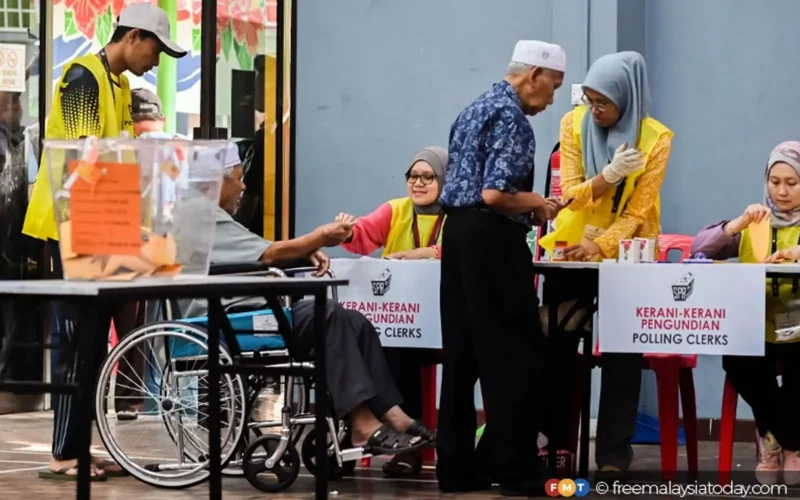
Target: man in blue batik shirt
[{"x": 489, "y": 317}]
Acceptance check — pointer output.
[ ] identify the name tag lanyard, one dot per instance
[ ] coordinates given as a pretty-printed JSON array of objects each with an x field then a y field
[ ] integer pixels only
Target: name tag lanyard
[
  {"x": 437, "y": 227},
  {"x": 111, "y": 82}
]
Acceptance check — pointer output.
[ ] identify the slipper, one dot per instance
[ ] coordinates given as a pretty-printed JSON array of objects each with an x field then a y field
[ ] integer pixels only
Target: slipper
[
  {"x": 61, "y": 474},
  {"x": 387, "y": 441},
  {"x": 404, "y": 465},
  {"x": 417, "y": 428},
  {"x": 105, "y": 466}
]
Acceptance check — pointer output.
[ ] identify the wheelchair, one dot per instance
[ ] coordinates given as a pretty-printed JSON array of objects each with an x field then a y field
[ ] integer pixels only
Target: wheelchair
[{"x": 167, "y": 444}]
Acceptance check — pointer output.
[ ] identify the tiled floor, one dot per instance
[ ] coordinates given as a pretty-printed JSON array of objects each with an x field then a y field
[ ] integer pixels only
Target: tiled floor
[{"x": 24, "y": 450}]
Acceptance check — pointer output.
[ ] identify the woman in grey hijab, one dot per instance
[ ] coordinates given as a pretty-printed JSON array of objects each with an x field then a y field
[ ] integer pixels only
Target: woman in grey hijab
[
  {"x": 407, "y": 228},
  {"x": 613, "y": 160}
]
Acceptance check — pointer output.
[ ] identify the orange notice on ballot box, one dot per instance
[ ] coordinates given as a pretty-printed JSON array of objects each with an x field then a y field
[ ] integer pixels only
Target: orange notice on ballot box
[
  {"x": 105, "y": 209},
  {"x": 759, "y": 239}
]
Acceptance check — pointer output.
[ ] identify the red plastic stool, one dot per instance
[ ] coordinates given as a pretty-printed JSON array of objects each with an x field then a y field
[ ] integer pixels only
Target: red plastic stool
[
  {"x": 727, "y": 425},
  {"x": 674, "y": 377}
]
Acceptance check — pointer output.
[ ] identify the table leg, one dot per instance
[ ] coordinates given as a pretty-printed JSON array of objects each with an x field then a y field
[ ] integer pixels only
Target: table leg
[
  {"x": 552, "y": 444},
  {"x": 321, "y": 395},
  {"x": 214, "y": 431},
  {"x": 86, "y": 340},
  {"x": 586, "y": 405}
]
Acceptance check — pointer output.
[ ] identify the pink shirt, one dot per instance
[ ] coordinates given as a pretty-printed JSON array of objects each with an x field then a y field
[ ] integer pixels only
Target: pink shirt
[{"x": 371, "y": 232}]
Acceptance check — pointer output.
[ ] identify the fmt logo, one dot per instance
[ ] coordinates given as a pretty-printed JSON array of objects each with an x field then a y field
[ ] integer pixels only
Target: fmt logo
[
  {"x": 567, "y": 488},
  {"x": 683, "y": 288}
]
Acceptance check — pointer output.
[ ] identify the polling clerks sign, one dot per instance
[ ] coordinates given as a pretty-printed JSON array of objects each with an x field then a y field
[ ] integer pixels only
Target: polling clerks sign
[
  {"x": 682, "y": 308},
  {"x": 401, "y": 298}
]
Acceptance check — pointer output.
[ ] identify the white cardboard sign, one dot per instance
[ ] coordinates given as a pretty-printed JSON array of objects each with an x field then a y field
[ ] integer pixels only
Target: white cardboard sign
[
  {"x": 682, "y": 308},
  {"x": 12, "y": 67},
  {"x": 400, "y": 298}
]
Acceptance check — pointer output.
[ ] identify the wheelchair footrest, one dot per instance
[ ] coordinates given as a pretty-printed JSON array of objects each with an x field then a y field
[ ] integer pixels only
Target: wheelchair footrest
[{"x": 351, "y": 454}]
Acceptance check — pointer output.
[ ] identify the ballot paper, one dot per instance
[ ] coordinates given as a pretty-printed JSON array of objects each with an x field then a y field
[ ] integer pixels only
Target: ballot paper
[{"x": 759, "y": 239}]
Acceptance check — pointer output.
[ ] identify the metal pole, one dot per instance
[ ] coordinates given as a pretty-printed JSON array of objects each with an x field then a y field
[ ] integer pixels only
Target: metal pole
[
  {"x": 167, "y": 81},
  {"x": 293, "y": 114},
  {"x": 279, "y": 171},
  {"x": 208, "y": 69}
]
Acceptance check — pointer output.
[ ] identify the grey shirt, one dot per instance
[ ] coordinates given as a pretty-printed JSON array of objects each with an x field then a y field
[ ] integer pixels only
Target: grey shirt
[{"x": 233, "y": 244}]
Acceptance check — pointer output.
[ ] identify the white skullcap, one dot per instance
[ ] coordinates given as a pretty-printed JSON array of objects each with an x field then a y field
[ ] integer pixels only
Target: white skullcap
[
  {"x": 232, "y": 155},
  {"x": 214, "y": 157},
  {"x": 541, "y": 54}
]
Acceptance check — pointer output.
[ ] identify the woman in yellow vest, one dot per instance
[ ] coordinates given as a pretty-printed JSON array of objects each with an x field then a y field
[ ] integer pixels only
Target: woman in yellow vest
[
  {"x": 613, "y": 160},
  {"x": 776, "y": 408},
  {"x": 407, "y": 228},
  {"x": 92, "y": 99}
]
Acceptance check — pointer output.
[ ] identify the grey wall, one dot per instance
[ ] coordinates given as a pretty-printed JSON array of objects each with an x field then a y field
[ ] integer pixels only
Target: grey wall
[
  {"x": 723, "y": 76},
  {"x": 379, "y": 79}
]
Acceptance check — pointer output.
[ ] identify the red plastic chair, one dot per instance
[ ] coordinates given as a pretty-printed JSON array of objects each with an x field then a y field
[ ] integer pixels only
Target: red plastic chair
[
  {"x": 674, "y": 378},
  {"x": 727, "y": 426}
]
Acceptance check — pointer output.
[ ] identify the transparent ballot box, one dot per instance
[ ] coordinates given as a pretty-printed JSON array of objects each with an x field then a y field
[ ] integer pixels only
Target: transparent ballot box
[{"x": 133, "y": 208}]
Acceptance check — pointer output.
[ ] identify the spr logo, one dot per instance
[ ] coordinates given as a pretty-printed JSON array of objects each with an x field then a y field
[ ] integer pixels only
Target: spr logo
[
  {"x": 381, "y": 283},
  {"x": 682, "y": 289},
  {"x": 567, "y": 488}
]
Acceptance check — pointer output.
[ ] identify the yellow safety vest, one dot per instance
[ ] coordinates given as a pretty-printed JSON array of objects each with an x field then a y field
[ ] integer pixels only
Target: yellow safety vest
[
  {"x": 569, "y": 224},
  {"x": 401, "y": 232},
  {"x": 786, "y": 237},
  {"x": 115, "y": 116}
]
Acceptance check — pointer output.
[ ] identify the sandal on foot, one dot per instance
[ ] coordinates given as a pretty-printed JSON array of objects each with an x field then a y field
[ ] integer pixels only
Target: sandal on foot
[
  {"x": 387, "y": 441},
  {"x": 109, "y": 466},
  {"x": 63, "y": 474},
  {"x": 417, "y": 428},
  {"x": 404, "y": 465}
]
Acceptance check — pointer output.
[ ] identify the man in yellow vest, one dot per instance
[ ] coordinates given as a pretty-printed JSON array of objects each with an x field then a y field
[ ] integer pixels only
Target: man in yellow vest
[{"x": 92, "y": 98}]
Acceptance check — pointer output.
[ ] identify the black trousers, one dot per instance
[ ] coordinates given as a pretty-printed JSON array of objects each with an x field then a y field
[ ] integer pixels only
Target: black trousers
[
  {"x": 490, "y": 332},
  {"x": 131, "y": 370},
  {"x": 356, "y": 368},
  {"x": 406, "y": 364},
  {"x": 776, "y": 408}
]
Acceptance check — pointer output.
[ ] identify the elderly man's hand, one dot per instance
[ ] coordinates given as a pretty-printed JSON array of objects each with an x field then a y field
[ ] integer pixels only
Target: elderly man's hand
[
  {"x": 547, "y": 212},
  {"x": 334, "y": 233},
  {"x": 321, "y": 261}
]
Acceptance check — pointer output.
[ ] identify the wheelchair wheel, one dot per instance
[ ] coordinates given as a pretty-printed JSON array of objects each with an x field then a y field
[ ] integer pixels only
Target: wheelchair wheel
[
  {"x": 257, "y": 428},
  {"x": 270, "y": 479},
  {"x": 309, "y": 453},
  {"x": 167, "y": 445}
]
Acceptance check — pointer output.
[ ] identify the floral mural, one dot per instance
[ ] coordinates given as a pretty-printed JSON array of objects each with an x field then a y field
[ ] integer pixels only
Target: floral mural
[
  {"x": 245, "y": 28},
  {"x": 239, "y": 23}
]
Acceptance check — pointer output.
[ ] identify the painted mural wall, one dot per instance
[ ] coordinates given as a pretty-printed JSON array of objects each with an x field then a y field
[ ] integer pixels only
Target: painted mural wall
[{"x": 245, "y": 28}]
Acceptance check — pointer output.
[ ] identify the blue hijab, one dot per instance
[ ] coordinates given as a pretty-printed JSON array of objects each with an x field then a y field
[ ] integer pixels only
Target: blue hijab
[{"x": 622, "y": 78}]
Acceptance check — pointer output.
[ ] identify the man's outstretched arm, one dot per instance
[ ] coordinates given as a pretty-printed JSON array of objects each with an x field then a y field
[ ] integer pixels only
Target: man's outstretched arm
[
  {"x": 292, "y": 250},
  {"x": 233, "y": 243}
]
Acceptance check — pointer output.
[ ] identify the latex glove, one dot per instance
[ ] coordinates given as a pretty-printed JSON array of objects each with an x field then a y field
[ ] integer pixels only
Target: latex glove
[{"x": 625, "y": 162}]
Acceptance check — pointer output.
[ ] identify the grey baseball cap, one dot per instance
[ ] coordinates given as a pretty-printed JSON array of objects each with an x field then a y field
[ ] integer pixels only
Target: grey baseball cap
[
  {"x": 145, "y": 103},
  {"x": 148, "y": 17}
]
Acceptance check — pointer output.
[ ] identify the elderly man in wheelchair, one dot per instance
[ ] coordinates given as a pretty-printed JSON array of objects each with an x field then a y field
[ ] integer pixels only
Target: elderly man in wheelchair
[{"x": 360, "y": 385}]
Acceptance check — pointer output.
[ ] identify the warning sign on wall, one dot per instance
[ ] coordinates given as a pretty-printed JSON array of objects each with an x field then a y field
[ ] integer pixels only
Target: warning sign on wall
[{"x": 12, "y": 67}]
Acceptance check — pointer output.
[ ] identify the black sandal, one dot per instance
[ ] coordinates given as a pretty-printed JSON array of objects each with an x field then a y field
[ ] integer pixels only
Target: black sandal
[
  {"x": 417, "y": 428},
  {"x": 404, "y": 465},
  {"x": 387, "y": 441}
]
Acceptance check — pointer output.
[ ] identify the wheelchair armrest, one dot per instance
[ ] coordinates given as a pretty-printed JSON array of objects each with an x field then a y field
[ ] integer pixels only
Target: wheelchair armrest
[{"x": 237, "y": 268}]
